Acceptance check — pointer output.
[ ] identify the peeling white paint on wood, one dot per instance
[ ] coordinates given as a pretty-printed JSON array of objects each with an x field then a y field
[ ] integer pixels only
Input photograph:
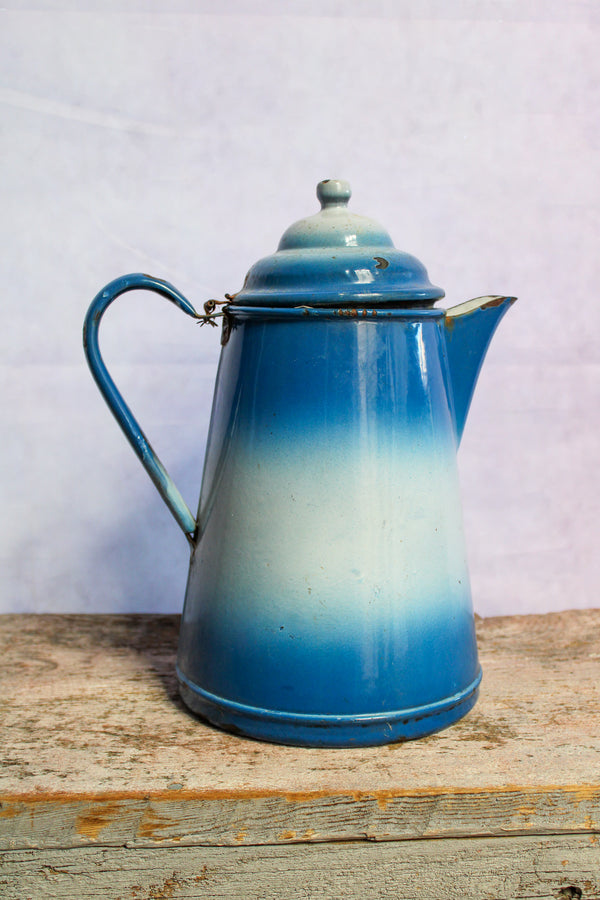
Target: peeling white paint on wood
[
  {"x": 484, "y": 869},
  {"x": 109, "y": 786}
]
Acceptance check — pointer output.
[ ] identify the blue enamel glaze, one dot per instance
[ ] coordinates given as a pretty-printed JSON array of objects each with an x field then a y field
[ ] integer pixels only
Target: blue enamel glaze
[
  {"x": 328, "y": 599},
  {"x": 331, "y": 564},
  {"x": 469, "y": 329},
  {"x": 329, "y": 731},
  {"x": 337, "y": 258},
  {"x": 125, "y": 418}
]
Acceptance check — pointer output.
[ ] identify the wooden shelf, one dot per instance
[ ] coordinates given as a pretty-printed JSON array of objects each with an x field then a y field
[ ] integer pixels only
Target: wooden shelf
[{"x": 110, "y": 789}]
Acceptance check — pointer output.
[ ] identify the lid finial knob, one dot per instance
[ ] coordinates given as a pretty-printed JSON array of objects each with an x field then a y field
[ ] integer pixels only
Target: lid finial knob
[{"x": 333, "y": 192}]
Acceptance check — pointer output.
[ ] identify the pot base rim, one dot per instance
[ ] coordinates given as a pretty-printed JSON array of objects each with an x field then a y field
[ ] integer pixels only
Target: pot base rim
[{"x": 321, "y": 730}]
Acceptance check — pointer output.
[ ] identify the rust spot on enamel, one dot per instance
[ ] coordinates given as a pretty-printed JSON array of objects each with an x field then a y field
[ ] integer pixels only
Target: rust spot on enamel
[{"x": 496, "y": 301}]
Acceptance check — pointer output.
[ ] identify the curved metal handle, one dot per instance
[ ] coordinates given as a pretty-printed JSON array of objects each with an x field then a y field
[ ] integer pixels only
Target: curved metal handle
[{"x": 134, "y": 434}]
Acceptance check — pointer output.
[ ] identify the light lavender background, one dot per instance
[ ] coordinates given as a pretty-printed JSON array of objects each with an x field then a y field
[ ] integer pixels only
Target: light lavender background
[{"x": 182, "y": 138}]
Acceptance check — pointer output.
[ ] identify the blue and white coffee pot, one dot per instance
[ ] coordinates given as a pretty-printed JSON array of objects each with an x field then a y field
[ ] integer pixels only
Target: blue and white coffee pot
[{"x": 328, "y": 599}]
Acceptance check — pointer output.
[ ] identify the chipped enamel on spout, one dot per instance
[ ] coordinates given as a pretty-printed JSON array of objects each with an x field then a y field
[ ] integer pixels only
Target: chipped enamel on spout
[{"x": 328, "y": 600}]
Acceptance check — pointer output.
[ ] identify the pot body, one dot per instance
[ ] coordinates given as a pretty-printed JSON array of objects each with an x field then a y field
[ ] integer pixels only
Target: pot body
[{"x": 328, "y": 599}]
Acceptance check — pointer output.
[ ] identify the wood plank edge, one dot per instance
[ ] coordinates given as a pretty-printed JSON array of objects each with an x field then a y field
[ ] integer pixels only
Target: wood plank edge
[
  {"x": 273, "y": 818},
  {"x": 585, "y": 790}
]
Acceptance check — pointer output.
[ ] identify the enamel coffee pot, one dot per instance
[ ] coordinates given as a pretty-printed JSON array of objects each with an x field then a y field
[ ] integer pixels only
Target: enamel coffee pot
[{"x": 328, "y": 599}]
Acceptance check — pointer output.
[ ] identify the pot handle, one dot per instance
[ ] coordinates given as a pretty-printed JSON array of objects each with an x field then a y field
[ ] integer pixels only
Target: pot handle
[{"x": 131, "y": 429}]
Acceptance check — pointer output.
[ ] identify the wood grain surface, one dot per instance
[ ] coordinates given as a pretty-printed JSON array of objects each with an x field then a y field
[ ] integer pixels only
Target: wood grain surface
[
  {"x": 515, "y": 868},
  {"x": 103, "y": 766}
]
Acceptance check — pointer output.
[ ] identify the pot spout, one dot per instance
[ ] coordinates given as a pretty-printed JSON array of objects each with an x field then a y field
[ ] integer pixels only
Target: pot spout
[{"x": 468, "y": 330}]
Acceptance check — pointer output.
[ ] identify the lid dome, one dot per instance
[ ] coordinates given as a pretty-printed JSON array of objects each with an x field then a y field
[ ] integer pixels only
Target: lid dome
[{"x": 337, "y": 258}]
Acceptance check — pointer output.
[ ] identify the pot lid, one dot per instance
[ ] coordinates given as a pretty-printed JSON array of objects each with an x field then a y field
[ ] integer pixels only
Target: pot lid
[{"x": 337, "y": 258}]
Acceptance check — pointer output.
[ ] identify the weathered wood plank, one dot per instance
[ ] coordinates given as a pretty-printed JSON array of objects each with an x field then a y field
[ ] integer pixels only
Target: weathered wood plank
[
  {"x": 238, "y": 821},
  {"x": 515, "y": 868},
  {"x": 97, "y": 749}
]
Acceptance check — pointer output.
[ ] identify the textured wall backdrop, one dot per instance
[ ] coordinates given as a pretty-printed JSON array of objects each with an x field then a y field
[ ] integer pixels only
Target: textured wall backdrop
[{"x": 182, "y": 138}]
